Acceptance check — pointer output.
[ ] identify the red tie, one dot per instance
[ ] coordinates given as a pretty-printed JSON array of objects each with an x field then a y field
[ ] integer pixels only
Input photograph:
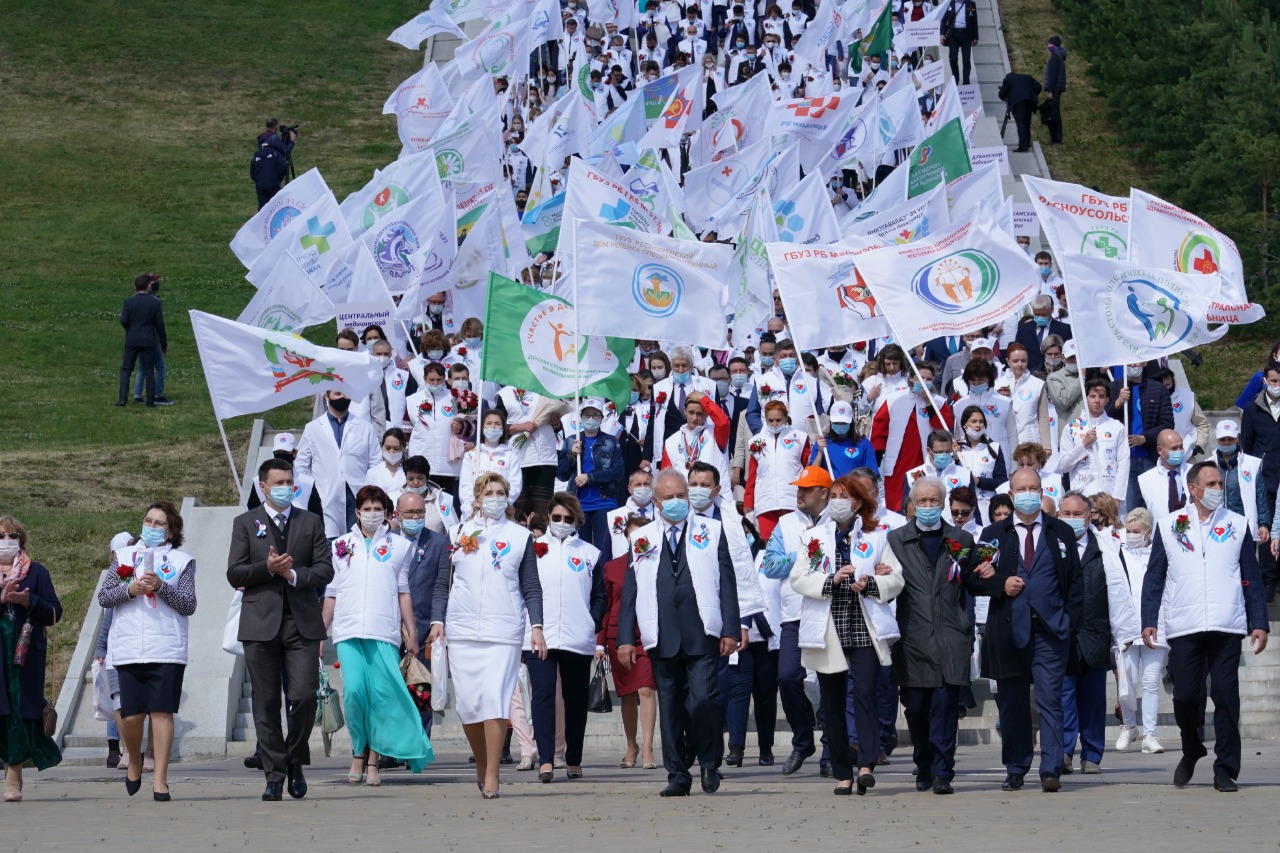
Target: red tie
[{"x": 1028, "y": 544}]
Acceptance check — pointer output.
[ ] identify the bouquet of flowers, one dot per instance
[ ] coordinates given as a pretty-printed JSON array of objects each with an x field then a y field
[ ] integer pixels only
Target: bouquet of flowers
[
  {"x": 1181, "y": 525},
  {"x": 466, "y": 401},
  {"x": 816, "y": 555},
  {"x": 756, "y": 446},
  {"x": 843, "y": 380},
  {"x": 421, "y": 694},
  {"x": 987, "y": 552}
]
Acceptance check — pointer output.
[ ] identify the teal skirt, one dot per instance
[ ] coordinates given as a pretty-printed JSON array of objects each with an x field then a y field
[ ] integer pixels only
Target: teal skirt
[{"x": 381, "y": 715}]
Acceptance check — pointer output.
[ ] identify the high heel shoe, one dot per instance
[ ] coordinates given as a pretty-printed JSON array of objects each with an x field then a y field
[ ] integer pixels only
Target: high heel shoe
[
  {"x": 354, "y": 778},
  {"x": 490, "y": 795},
  {"x": 160, "y": 797},
  {"x": 132, "y": 786},
  {"x": 546, "y": 775},
  {"x": 865, "y": 781}
]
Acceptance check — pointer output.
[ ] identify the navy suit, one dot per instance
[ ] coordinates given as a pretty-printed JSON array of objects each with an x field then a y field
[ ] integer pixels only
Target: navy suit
[
  {"x": 939, "y": 350},
  {"x": 430, "y": 557},
  {"x": 1028, "y": 637},
  {"x": 1029, "y": 336}
]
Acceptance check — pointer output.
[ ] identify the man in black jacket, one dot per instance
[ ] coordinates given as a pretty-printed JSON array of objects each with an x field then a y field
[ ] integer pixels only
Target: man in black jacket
[
  {"x": 143, "y": 319},
  {"x": 960, "y": 33},
  {"x": 1150, "y": 408},
  {"x": 1020, "y": 92},
  {"x": 270, "y": 162},
  {"x": 1055, "y": 83}
]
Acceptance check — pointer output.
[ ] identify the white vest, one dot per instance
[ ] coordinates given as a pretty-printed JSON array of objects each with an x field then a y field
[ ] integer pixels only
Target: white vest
[
  {"x": 485, "y": 603},
  {"x": 1183, "y": 403},
  {"x": 779, "y": 462},
  {"x": 750, "y": 597},
  {"x": 1248, "y": 470},
  {"x": 432, "y": 428},
  {"x": 1026, "y": 408},
  {"x": 1154, "y": 486},
  {"x": 865, "y": 551},
  {"x": 800, "y": 396},
  {"x": 397, "y": 382},
  {"x": 366, "y": 586},
  {"x": 538, "y": 447},
  {"x": 618, "y": 523},
  {"x": 702, "y": 549},
  {"x": 981, "y": 462},
  {"x": 995, "y": 408},
  {"x": 483, "y": 459},
  {"x": 146, "y": 630},
  {"x": 1202, "y": 589},
  {"x": 954, "y": 477},
  {"x": 566, "y": 572},
  {"x": 794, "y": 528},
  {"x": 681, "y": 451},
  {"x": 665, "y": 393}
]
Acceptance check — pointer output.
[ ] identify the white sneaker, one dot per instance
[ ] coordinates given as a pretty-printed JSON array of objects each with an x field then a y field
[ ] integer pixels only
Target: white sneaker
[
  {"x": 1151, "y": 746},
  {"x": 1126, "y": 738}
]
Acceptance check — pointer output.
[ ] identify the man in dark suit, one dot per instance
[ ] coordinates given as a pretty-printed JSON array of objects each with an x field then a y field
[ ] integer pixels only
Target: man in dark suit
[
  {"x": 1020, "y": 92},
  {"x": 939, "y": 350},
  {"x": 1033, "y": 333},
  {"x": 729, "y": 399},
  {"x": 1036, "y": 600},
  {"x": 685, "y": 656},
  {"x": 143, "y": 319},
  {"x": 281, "y": 559},
  {"x": 1150, "y": 408},
  {"x": 960, "y": 33},
  {"x": 430, "y": 557}
]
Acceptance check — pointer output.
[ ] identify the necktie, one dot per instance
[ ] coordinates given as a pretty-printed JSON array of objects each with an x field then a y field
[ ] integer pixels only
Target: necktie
[
  {"x": 683, "y": 393},
  {"x": 673, "y": 541},
  {"x": 1021, "y": 611},
  {"x": 951, "y": 344},
  {"x": 280, "y": 519},
  {"x": 1029, "y": 544},
  {"x": 1176, "y": 499}
]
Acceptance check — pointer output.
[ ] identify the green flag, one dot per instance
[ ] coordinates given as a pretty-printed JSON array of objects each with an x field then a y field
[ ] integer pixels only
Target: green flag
[
  {"x": 941, "y": 157},
  {"x": 529, "y": 342},
  {"x": 880, "y": 39}
]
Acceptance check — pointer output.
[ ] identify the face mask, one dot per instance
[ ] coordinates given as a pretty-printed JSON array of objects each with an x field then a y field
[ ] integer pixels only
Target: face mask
[
  {"x": 436, "y": 390},
  {"x": 560, "y": 529},
  {"x": 875, "y": 66},
  {"x": 1176, "y": 457},
  {"x": 492, "y": 435},
  {"x": 417, "y": 490},
  {"x": 682, "y": 378},
  {"x": 787, "y": 365},
  {"x": 928, "y": 516},
  {"x": 1053, "y": 363},
  {"x": 384, "y": 361},
  {"x": 1042, "y": 322},
  {"x": 1073, "y": 369},
  {"x": 775, "y": 429},
  {"x": 412, "y": 526},
  {"x": 740, "y": 45},
  {"x": 462, "y": 385},
  {"x": 435, "y": 355},
  {"x": 340, "y": 405},
  {"x": 840, "y": 510},
  {"x": 435, "y": 310},
  {"x": 591, "y": 424},
  {"x": 699, "y": 496},
  {"x": 1045, "y": 272},
  {"x": 494, "y": 507},
  {"x": 1212, "y": 499},
  {"x": 786, "y": 76},
  {"x": 942, "y": 461},
  {"x": 675, "y": 510},
  {"x": 9, "y": 549},
  {"x": 642, "y": 495},
  {"x": 836, "y": 354},
  {"x": 635, "y": 397},
  {"x": 472, "y": 343},
  {"x": 1077, "y": 525},
  {"x": 1228, "y": 449},
  {"x": 978, "y": 388},
  {"x": 651, "y": 77},
  {"x": 393, "y": 458},
  {"x": 973, "y": 434},
  {"x": 659, "y": 373},
  {"x": 917, "y": 388},
  {"x": 370, "y": 520},
  {"x": 1135, "y": 541},
  {"x": 1273, "y": 391},
  {"x": 738, "y": 380},
  {"x": 766, "y": 361},
  {"x": 281, "y": 495},
  {"x": 840, "y": 429},
  {"x": 151, "y": 536},
  {"x": 1133, "y": 372},
  {"x": 1026, "y": 502},
  {"x": 722, "y": 387}
]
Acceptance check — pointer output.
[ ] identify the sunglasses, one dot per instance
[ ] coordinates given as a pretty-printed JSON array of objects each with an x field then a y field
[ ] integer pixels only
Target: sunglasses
[
  {"x": 561, "y": 518},
  {"x": 4, "y": 535}
]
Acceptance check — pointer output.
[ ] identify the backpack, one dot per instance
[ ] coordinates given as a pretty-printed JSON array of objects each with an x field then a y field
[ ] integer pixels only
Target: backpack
[{"x": 267, "y": 166}]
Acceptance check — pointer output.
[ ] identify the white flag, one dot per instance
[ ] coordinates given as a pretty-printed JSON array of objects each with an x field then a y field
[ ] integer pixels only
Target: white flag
[
  {"x": 636, "y": 285},
  {"x": 593, "y": 195},
  {"x": 287, "y": 300},
  {"x": 888, "y": 195},
  {"x": 265, "y": 225},
  {"x": 1136, "y": 313},
  {"x": 395, "y": 241},
  {"x": 498, "y": 51},
  {"x": 856, "y": 141},
  {"x": 821, "y": 35},
  {"x": 815, "y": 123},
  {"x": 751, "y": 302},
  {"x": 564, "y": 129},
  {"x": 980, "y": 187},
  {"x": 917, "y": 219},
  {"x": 405, "y": 180},
  {"x": 803, "y": 212},
  {"x": 682, "y": 111},
  {"x": 1169, "y": 237},
  {"x": 469, "y": 152},
  {"x": 968, "y": 277},
  {"x": 368, "y": 302},
  {"x": 1079, "y": 221},
  {"x": 250, "y": 370},
  {"x": 310, "y": 240},
  {"x": 827, "y": 304},
  {"x": 741, "y": 119},
  {"x": 416, "y": 30},
  {"x": 900, "y": 124},
  {"x": 420, "y": 104}
]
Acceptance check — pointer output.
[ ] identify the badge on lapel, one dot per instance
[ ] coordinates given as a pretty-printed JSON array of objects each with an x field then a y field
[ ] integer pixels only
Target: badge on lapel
[
  {"x": 576, "y": 564},
  {"x": 701, "y": 539},
  {"x": 497, "y": 551},
  {"x": 259, "y": 529}
]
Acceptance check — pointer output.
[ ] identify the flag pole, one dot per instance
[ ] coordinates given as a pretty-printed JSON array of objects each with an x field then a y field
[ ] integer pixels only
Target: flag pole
[
  {"x": 577, "y": 362},
  {"x": 916, "y": 370},
  {"x": 235, "y": 475}
]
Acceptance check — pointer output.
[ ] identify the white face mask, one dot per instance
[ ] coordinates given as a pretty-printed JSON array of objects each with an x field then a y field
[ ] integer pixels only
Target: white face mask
[
  {"x": 417, "y": 490},
  {"x": 9, "y": 549},
  {"x": 1212, "y": 499},
  {"x": 840, "y": 510},
  {"x": 462, "y": 385},
  {"x": 642, "y": 495},
  {"x": 699, "y": 497},
  {"x": 371, "y": 520},
  {"x": 560, "y": 529},
  {"x": 494, "y": 507},
  {"x": 973, "y": 434},
  {"x": 393, "y": 458},
  {"x": 659, "y": 373},
  {"x": 1136, "y": 541}
]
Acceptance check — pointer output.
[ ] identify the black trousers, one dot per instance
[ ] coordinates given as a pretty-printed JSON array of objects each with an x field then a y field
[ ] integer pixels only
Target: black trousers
[
  {"x": 539, "y": 486},
  {"x": 265, "y": 194},
  {"x": 133, "y": 355},
  {"x": 1055, "y": 117},
  {"x": 956, "y": 49},
  {"x": 795, "y": 704},
  {"x": 688, "y": 713},
  {"x": 288, "y": 655},
  {"x": 575, "y": 681},
  {"x": 864, "y": 673},
  {"x": 754, "y": 676},
  {"x": 933, "y": 718},
  {"x": 1022, "y": 113},
  {"x": 1191, "y": 658},
  {"x": 834, "y": 690}
]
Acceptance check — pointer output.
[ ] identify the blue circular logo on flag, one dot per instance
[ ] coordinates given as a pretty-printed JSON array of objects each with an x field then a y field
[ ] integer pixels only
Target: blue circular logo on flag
[
  {"x": 957, "y": 283},
  {"x": 657, "y": 289}
]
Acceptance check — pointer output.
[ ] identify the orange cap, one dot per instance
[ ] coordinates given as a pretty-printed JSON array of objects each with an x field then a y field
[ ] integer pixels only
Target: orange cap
[{"x": 813, "y": 476}]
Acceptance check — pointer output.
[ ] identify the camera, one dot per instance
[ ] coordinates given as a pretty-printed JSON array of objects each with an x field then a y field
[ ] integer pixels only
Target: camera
[{"x": 285, "y": 130}]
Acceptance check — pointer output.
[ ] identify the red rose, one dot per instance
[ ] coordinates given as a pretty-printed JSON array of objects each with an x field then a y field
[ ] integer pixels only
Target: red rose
[
  {"x": 124, "y": 572},
  {"x": 860, "y": 346},
  {"x": 814, "y": 547},
  {"x": 462, "y": 351},
  {"x": 540, "y": 548}
]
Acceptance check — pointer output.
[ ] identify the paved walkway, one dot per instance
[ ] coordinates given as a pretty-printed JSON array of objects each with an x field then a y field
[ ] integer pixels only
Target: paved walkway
[{"x": 1130, "y": 806}]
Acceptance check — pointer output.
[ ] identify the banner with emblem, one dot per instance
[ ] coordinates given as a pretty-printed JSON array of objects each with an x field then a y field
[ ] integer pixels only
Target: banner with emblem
[
  {"x": 530, "y": 343},
  {"x": 827, "y": 304},
  {"x": 632, "y": 284},
  {"x": 311, "y": 239},
  {"x": 285, "y": 206},
  {"x": 287, "y": 301},
  {"x": 917, "y": 219},
  {"x": 405, "y": 180},
  {"x": 416, "y": 30},
  {"x": 1168, "y": 237},
  {"x": 499, "y": 50},
  {"x": 250, "y": 370},
  {"x": 1080, "y": 221},
  {"x": 421, "y": 104}
]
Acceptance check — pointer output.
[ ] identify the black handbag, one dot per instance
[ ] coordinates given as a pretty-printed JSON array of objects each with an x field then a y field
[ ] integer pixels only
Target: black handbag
[{"x": 598, "y": 699}]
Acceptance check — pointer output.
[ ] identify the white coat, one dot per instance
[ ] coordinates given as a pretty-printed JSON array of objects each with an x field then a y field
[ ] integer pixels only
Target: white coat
[
  {"x": 776, "y": 464},
  {"x": 1154, "y": 487},
  {"x": 147, "y": 630},
  {"x": 1134, "y": 562},
  {"x": 996, "y": 408},
  {"x": 367, "y": 581},
  {"x": 618, "y": 523},
  {"x": 666, "y": 392},
  {"x": 1029, "y": 402},
  {"x": 380, "y": 475},
  {"x": 800, "y": 396},
  {"x": 566, "y": 572},
  {"x": 334, "y": 468},
  {"x": 1202, "y": 589},
  {"x": 539, "y": 447},
  {"x": 1111, "y": 449},
  {"x": 432, "y": 427}
]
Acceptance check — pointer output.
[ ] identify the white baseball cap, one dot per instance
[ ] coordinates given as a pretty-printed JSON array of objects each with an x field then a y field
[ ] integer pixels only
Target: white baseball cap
[
  {"x": 1228, "y": 429},
  {"x": 980, "y": 343},
  {"x": 596, "y": 403},
  {"x": 841, "y": 412},
  {"x": 1068, "y": 350},
  {"x": 285, "y": 441}
]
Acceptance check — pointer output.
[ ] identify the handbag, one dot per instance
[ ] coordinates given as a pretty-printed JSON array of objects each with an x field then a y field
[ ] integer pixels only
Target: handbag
[
  {"x": 598, "y": 699},
  {"x": 328, "y": 710},
  {"x": 439, "y": 676},
  {"x": 49, "y": 714},
  {"x": 230, "y": 633},
  {"x": 103, "y": 706}
]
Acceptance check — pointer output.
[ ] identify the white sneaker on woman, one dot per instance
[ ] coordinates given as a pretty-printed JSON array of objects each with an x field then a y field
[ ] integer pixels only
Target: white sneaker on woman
[
  {"x": 1151, "y": 746},
  {"x": 1126, "y": 737}
]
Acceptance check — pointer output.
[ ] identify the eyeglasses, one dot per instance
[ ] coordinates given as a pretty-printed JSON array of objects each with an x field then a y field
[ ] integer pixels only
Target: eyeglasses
[
  {"x": 560, "y": 517},
  {"x": 146, "y": 522},
  {"x": 4, "y": 535},
  {"x": 413, "y": 513}
]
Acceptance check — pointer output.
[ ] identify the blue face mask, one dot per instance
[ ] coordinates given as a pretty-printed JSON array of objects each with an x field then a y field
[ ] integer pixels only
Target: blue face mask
[
  {"x": 766, "y": 361},
  {"x": 1077, "y": 525},
  {"x": 590, "y": 424},
  {"x": 1045, "y": 272},
  {"x": 788, "y": 365},
  {"x": 917, "y": 388},
  {"x": 928, "y": 516},
  {"x": 840, "y": 429},
  {"x": 412, "y": 526},
  {"x": 674, "y": 510},
  {"x": 635, "y": 397},
  {"x": 471, "y": 343},
  {"x": 1176, "y": 457},
  {"x": 942, "y": 461},
  {"x": 152, "y": 536},
  {"x": 1027, "y": 502},
  {"x": 281, "y": 495},
  {"x": 682, "y": 378},
  {"x": 722, "y": 387},
  {"x": 738, "y": 380},
  {"x": 1228, "y": 450},
  {"x": 979, "y": 388},
  {"x": 1041, "y": 321}
]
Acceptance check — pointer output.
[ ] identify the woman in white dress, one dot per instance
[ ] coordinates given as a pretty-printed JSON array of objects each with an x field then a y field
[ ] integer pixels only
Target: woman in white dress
[
  {"x": 494, "y": 454},
  {"x": 388, "y": 474},
  {"x": 479, "y": 610}
]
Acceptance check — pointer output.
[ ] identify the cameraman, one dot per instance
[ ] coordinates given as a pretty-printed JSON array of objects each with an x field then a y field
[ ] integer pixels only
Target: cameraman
[{"x": 270, "y": 162}]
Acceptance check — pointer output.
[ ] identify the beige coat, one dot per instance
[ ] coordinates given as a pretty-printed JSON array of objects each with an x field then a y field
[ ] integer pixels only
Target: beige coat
[{"x": 830, "y": 658}]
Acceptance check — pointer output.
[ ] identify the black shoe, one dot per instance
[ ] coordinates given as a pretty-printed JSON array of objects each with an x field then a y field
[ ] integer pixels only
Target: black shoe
[
  {"x": 1050, "y": 785},
  {"x": 159, "y": 797},
  {"x": 735, "y": 757},
  {"x": 1225, "y": 784},
  {"x": 297, "y": 782},
  {"x": 132, "y": 786},
  {"x": 943, "y": 787},
  {"x": 711, "y": 780},
  {"x": 119, "y": 403},
  {"x": 137, "y": 399},
  {"x": 1186, "y": 767},
  {"x": 675, "y": 789},
  {"x": 385, "y": 763},
  {"x": 253, "y": 762},
  {"x": 824, "y": 769},
  {"x": 865, "y": 781},
  {"x": 893, "y": 743},
  {"x": 924, "y": 783},
  {"x": 113, "y": 760},
  {"x": 1012, "y": 782},
  {"x": 163, "y": 401},
  {"x": 843, "y": 791},
  {"x": 1021, "y": 150},
  {"x": 273, "y": 792},
  {"x": 795, "y": 761},
  {"x": 766, "y": 759}
]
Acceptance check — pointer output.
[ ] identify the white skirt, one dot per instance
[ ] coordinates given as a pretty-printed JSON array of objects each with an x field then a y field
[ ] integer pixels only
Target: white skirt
[{"x": 484, "y": 679}]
